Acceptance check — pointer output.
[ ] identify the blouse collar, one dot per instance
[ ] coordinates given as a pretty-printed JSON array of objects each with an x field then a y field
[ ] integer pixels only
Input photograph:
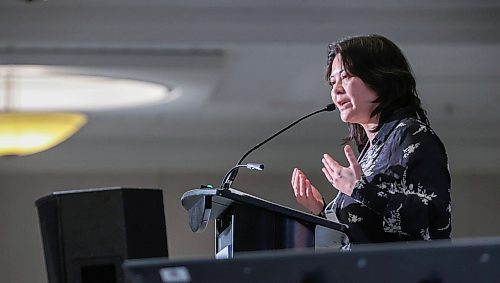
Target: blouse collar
[{"x": 389, "y": 125}]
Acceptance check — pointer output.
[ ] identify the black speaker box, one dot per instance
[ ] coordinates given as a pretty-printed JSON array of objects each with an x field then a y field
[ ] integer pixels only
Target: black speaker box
[{"x": 87, "y": 234}]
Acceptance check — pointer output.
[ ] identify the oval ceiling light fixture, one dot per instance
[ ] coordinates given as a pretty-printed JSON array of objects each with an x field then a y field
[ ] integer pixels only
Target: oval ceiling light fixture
[
  {"x": 43, "y": 88},
  {"x": 30, "y": 94}
]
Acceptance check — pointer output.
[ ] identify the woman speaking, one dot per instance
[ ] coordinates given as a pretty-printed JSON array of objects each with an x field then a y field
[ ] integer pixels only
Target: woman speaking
[{"x": 398, "y": 189}]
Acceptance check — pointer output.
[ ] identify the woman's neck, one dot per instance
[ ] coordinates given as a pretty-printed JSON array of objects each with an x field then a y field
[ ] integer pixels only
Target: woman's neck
[
  {"x": 368, "y": 130},
  {"x": 369, "y": 127}
]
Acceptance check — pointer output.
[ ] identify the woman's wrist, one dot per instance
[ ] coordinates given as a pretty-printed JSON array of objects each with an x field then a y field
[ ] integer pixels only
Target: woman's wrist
[{"x": 322, "y": 212}]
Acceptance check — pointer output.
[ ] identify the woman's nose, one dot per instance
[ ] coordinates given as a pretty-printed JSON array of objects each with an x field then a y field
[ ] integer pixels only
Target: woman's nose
[{"x": 337, "y": 88}]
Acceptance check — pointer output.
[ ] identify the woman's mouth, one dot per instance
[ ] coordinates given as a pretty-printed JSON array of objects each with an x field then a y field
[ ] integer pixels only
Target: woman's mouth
[{"x": 342, "y": 104}]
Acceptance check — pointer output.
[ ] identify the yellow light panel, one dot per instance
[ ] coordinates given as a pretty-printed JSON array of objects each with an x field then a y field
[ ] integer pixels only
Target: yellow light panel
[{"x": 28, "y": 133}]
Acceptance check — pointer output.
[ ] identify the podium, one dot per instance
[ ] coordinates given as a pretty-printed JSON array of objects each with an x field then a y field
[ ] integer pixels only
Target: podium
[{"x": 244, "y": 222}]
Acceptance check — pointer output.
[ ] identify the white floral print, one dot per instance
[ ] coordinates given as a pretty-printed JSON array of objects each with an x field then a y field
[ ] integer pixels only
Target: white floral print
[{"x": 410, "y": 149}]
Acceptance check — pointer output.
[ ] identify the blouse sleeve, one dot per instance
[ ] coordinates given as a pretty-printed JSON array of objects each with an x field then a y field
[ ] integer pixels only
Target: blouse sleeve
[{"x": 413, "y": 193}]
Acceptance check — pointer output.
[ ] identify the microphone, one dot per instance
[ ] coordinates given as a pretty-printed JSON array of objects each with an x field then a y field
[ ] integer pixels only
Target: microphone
[
  {"x": 252, "y": 166},
  {"x": 231, "y": 175}
]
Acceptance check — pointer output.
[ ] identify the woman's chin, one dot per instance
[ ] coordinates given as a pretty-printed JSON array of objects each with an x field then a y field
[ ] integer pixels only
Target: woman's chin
[{"x": 345, "y": 118}]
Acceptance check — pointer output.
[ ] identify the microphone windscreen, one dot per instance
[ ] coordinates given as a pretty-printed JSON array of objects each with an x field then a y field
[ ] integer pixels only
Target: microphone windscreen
[{"x": 330, "y": 107}]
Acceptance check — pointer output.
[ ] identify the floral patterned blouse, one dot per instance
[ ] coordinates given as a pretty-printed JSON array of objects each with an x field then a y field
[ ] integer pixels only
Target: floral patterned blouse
[{"x": 404, "y": 193}]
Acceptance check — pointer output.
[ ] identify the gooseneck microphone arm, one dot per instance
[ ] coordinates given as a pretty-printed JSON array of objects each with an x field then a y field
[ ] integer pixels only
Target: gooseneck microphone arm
[{"x": 231, "y": 175}]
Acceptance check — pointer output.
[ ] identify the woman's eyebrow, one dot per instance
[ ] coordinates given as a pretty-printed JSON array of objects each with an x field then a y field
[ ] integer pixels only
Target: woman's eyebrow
[{"x": 335, "y": 73}]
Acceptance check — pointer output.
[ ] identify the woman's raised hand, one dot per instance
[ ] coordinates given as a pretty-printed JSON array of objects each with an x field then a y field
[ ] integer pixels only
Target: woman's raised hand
[
  {"x": 305, "y": 193},
  {"x": 342, "y": 178}
]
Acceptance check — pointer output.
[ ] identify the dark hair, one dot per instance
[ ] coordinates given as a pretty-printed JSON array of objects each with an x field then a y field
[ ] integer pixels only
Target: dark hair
[{"x": 381, "y": 65}]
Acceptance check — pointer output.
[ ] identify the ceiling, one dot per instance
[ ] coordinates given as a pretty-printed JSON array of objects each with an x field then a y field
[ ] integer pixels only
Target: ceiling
[{"x": 245, "y": 69}]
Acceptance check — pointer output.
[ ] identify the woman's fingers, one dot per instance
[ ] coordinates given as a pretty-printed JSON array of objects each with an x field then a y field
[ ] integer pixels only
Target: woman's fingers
[
  {"x": 342, "y": 178},
  {"x": 330, "y": 164},
  {"x": 327, "y": 175},
  {"x": 295, "y": 182},
  {"x": 353, "y": 162},
  {"x": 350, "y": 155},
  {"x": 308, "y": 188},
  {"x": 301, "y": 185},
  {"x": 305, "y": 193}
]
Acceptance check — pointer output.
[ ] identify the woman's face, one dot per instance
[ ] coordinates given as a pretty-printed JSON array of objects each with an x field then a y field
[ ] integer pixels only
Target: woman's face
[{"x": 351, "y": 95}]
